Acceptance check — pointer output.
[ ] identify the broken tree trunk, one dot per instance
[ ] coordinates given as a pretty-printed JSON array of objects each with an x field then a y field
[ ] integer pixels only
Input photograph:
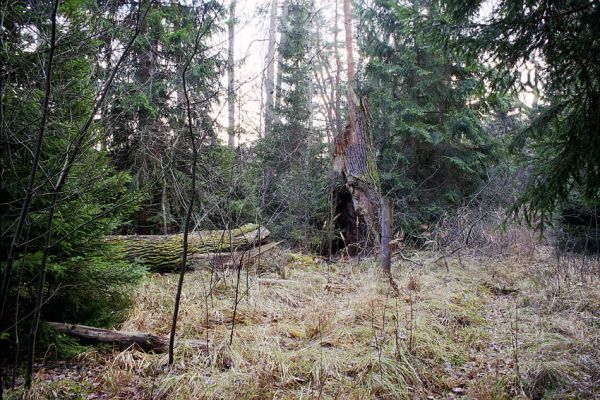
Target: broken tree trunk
[
  {"x": 120, "y": 339},
  {"x": 353, "y": 158},
  {"x": 162, "y": 253}
]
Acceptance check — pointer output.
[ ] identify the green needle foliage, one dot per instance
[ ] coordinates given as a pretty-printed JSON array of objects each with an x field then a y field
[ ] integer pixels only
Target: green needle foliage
[
  {"x": 85, "y": 283},
  {"x": 432, "y": 149},
  {"x": 292, "y": 154},
  {"x": 551, "y": 48}
]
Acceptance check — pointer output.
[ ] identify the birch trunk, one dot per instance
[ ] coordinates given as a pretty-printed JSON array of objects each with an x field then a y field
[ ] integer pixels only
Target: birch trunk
[
  {"x": 282, "y": 40},
  {"x": 270, "y": 69},
  {"x": 310, "y": 60}
]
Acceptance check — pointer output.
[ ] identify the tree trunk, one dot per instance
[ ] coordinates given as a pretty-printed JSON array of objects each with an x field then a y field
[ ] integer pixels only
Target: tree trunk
[
  {"x": 309, "y": 78},
  {"x": 338, "y": 73},
  {"x": 231, "y": 259},
  {"x": 162, "y": 253},
  {"x": 354, "y": 160},
  {"x": 230, "y": 76},
  {"x": 270, "y": 69},
  {"x": 196, "y": 143},
  {"x": 120, "y": 339},
  {"x": 387, "y": 214},
  {"x": 282, "y": 40}
]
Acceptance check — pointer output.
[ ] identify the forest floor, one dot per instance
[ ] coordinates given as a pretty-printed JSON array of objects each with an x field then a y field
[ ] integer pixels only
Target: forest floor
[{"x": 516, "y": 325}]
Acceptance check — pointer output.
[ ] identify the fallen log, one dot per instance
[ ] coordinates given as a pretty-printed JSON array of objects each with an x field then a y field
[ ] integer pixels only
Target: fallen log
[
  {"x": 229, "y": 260},
  {"x": 162, "y": 253},
  {"x": 144, "y": 341}
]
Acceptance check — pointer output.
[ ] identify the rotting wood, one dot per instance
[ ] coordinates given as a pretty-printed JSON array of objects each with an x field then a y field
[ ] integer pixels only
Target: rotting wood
[
  {"x": 162, "y": 253},
  {"x": 144, "y": 341},
  {"x": 354, "y": 160}
]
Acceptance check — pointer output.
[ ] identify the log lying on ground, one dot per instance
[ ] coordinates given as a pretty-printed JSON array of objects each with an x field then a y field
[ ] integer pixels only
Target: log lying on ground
[
  {"x": 162, "y": 253},
  {"x": 229, "y": 260},
  {"x": 146, "y": 342}
]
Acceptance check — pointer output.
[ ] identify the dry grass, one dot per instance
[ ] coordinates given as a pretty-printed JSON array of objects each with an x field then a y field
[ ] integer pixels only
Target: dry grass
[{"x": 516, "y": 326}]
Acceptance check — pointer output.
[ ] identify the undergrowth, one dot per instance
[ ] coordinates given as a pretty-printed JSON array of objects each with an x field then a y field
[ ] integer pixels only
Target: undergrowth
[{"x": 473, "y": 326}]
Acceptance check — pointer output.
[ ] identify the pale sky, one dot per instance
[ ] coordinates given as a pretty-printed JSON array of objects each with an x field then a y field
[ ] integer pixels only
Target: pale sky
[{"x": 251, "y": 41}]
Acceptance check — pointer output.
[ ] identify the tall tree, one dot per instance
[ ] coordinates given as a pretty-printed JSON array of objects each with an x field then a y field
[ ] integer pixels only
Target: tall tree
[
  {"x": 77, "y": 184},
  {"x": 293, "y": 153},
  {"x": 138, "y": 140},
  {"x": 37, "y": 152},
  {"x": 230, "y": 76},
  {"x": 270, "y": 68},
  {"x": 353, "y": 158},
  {"x": 562, "y": 143},
  {"x": 432, "y": 149},
  {"x": 282, "y": 41}
]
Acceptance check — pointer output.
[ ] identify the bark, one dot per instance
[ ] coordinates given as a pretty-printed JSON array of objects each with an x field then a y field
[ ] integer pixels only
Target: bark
[
  {"x": 231, "y": 77},
  {"x": 338, "y": 72},
  {"x": 230, "y": 259},
  {"x": 387, "y": 214},
  {"x": 270, "y": 69},
  {"x": 162, "y": 253},
  {"x": 282, "y": 40},
  {"x": 120, "y": 339},
  {"x": 309, "y": 78},
  {"x": 354, "y": 160}
]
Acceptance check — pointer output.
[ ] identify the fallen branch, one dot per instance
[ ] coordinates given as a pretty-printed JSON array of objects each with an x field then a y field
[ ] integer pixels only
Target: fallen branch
[
  {"x": 144, "y": 341},
  {"x": 402, "y": 256}
]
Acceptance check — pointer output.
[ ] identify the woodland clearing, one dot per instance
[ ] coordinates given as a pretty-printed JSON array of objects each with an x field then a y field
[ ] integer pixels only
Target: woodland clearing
[{"x": 520, "y": 324}]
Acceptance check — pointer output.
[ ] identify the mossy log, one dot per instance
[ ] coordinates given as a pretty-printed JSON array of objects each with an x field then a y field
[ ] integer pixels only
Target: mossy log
[
  {"x": 162, "y": 253},
  {"x": 234, "y": 259},
  {"x": 143, "y": 341}
]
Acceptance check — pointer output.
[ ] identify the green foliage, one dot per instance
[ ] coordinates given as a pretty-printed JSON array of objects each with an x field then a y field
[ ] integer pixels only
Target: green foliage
[
  {"x": 432, "y": 150},
  {"x": 145, "y": 124},
  {"x": 84, "y": 282},
  {"x": 291, "y": 158},
  {"x": 552, "y": 50}
]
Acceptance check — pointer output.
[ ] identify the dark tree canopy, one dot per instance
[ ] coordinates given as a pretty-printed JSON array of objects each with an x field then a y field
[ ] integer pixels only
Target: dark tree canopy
[{"x": 551, "y": 48}]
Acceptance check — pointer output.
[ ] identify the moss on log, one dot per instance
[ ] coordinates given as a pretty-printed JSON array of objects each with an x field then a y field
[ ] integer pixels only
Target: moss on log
[{"x": 162, "y": 253}]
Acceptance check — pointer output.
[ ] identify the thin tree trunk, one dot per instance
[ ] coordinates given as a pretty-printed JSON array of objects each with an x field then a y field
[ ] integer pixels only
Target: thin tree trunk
[
  {"x": 270, "y": 69},
  {"x": 338, "y": 72},
  {"x": 57, "y": 190},
  {"x": 349, "y": 49},
  {"x": 387, "y": 214},
  {"x": 230, "y": 76},
  {"x": 34, "y": 166},
  {"x": 282, "y": 40},
  {"x": 163, "y": 204},
  {"x": 309, "y": 78},
  {"x": 188, "y": 218}
]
